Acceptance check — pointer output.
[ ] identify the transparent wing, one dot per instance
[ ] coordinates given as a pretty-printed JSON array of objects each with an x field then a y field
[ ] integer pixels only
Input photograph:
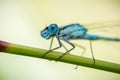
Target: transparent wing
[
  {"x": 102, "y": 25},
  {"x": 110, "y": 28}
]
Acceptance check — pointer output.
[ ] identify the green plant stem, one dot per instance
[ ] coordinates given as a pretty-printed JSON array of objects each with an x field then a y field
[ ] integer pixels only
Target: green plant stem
[{"x": 69, "y": 58}]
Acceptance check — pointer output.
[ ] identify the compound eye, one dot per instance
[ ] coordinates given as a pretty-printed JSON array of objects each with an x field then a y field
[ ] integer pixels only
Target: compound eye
[{"x": 52, "y": 28}]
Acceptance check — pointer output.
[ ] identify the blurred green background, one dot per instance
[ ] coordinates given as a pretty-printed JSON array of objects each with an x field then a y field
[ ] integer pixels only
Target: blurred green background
[{"x": 22, "y": 20}]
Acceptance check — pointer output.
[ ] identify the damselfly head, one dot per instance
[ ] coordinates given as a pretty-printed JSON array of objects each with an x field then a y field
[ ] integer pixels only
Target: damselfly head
[{"x": 49, "y": 31}]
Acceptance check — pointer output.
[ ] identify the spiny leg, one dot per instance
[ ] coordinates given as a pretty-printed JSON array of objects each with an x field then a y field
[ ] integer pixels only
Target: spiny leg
[
  {"x": 65, "y": 47},
  {"x": 51, "y": 43},
  {"x": 82, "y": 52},
  {"x": 66, "y": 51},
  {"x": 60, "y": 45},
  {"x": 92, "y": 52}
]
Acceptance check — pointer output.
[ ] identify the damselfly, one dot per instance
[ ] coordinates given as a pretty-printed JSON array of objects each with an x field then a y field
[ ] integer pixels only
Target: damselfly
[{"x": 70, "y": 32}]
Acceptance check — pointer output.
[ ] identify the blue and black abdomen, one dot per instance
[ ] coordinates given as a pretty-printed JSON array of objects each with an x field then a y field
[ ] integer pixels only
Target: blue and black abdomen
[{"x": 96, "y": 37}]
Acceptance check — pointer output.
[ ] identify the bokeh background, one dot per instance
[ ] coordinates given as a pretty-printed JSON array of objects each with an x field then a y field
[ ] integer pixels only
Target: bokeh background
[{"x": 22, "y": 20}]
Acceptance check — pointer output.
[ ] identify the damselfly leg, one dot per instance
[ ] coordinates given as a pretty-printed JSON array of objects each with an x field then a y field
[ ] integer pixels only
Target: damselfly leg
[
  {"x": 73, "y": 46},
  {"x": 92, "y": 52},
  {"x": 84, "y": 50},
  {"x": 51, "y": 43},
  {"x": 60, "y": 45}
]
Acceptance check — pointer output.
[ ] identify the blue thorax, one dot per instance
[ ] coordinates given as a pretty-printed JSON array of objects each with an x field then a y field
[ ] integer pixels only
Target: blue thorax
[{"x": 50, "y": 31}]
